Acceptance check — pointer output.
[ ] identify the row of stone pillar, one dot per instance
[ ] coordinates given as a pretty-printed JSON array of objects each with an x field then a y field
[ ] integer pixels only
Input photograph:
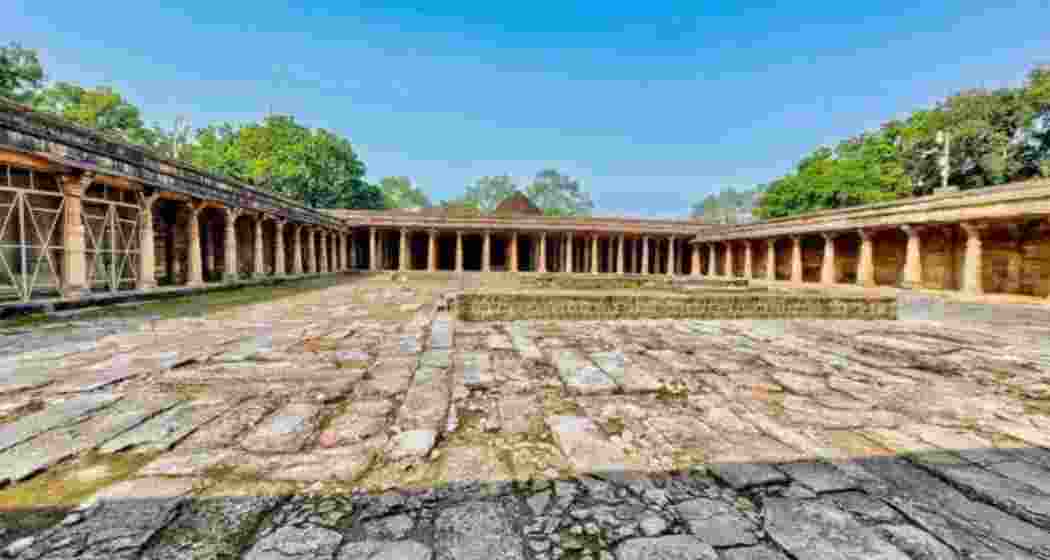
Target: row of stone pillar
[
  {"x": 971, "y": 277},
  {"x": 75, "y": 283},
  {"x": 616, "y": 258}
]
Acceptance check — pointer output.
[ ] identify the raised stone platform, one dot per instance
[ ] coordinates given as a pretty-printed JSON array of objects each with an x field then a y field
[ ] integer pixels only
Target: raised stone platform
[
  {"x": 626, "y": 282},
  {"x": 570, "y": 305}
]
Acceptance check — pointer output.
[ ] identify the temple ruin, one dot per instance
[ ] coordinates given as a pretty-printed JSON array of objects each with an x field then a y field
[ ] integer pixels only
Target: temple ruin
[{"x": 81, "y": 214}]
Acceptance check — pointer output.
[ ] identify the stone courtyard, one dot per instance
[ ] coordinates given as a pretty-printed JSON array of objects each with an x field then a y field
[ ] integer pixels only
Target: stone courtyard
[{"x": 363, "y": 420}]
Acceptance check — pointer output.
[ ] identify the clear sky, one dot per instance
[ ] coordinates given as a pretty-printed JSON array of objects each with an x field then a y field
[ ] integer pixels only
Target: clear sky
[{"x": 652, "y": 105}]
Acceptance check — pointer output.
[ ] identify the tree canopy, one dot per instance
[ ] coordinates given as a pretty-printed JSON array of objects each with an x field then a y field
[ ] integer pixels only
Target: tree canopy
[
  {"x": 559, "y": 195},
  {"x": 725, "y": 207},
  {"x": 314, "y": 166},
  {"x": 487, "y": 192},
  {"x": 994, "y": 137},
  {"x": 398, "y": 192},
  {"x": 21, "y": 74},
  {"x": 552, "y": 192}
]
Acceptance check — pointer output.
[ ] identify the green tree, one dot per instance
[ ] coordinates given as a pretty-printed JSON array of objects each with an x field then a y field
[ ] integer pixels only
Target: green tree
[
  {"x": 398, "y": 192},
  {"x": 487, "y": 192},
  {"x": 724, "y": 207},
  {"x": 559, "y": 195},
  {"x": 215, "y": 148},
  {"x": 861, "y": 170},
  {"x": 1036, "y": 154},
  {"x": 316, "y": 167},
  {"x": 21, "y": 74},
  {"x": 101, "y": 108}
]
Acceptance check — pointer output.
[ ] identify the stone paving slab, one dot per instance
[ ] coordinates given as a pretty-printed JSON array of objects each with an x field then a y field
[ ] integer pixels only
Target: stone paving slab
[
  {"x": 580, "y": 376},
  {"x": 62, "y": 443},
  {"x": 349, "y": 434},
  {"x": 54, "y": 415},
  {"x": 285, "y": 431},
  {"x": 165, "y": 430}
]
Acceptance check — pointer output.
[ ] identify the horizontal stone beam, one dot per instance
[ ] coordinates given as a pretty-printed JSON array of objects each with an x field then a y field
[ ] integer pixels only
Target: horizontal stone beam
[{"x": 1026, "y": 200}]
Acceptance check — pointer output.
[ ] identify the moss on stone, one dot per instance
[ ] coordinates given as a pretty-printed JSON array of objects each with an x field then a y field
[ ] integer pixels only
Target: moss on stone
[{"x": 60, "y": 486}]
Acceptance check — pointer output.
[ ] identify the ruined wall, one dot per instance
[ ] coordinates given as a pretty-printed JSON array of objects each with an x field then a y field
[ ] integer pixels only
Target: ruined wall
[{"x": 513, "y": 307}]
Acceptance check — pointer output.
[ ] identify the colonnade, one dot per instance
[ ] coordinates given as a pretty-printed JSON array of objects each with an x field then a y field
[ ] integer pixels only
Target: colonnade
[
  {"x": 286, "y": 248},
  {"x": 458, "y": 250},
  {"x": 941, "y": 256}
]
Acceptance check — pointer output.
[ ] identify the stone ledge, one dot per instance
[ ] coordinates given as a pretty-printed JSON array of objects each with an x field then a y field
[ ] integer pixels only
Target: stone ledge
[{"x": 12, "y": 310}]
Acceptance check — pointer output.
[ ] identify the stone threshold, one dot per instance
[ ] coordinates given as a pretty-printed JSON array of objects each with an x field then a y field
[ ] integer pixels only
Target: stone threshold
[{"x": 60, "y": 305}]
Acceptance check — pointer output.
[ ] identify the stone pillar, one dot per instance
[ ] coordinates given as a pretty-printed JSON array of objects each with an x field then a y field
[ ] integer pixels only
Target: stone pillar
[
  {"x": 729, "y": 259},
  {"x": 74, "y": 244},
  {"x": 694, "y": 268},
  {"x": 336, "y": 249},
  {"x": 594, "y": 254},
  {"x": 827, "y": 264},
  {"x": 619, "y": 254},
  {"x": 322, "y": 256},
  {"x": 796, "y": 259},
  {"x": 372, "y": 264},
  {"x": 712, "y": 260},
  {"x": 514, "y": 252},
  {"x": 670, "y": 256},
  {"x": 196, "y": 265},
  {"x": 459, "y": 251},
  {"x": 258, "y": 270},
  {"x": 866, "y": 262},
  {"x": 749, "y": 260},
  {"x": 543, "y": 253},
  {"x": 645, "y": 255},
  {"x": 972, "y": 267},
  {"x": 311, "y": 250},
  {"x": 569, "y": 252},
  {"x": 297, "y": 250},
  {"x": 278, "y": 248},
  {"x": 352, "y": 242},
  {"x": 771, "y": 259},
  {"x": 402, "y": 259},
  {"x": 913, "y": 257},
  {"x": 229, "y": 253},
  {"x": 147, "y": 279},
  {"x": 327, "y": 250},
  {"x": 344, "y": 251},
  {"x": 486, "y": 251},
  {"x": 432, "y": 257}
]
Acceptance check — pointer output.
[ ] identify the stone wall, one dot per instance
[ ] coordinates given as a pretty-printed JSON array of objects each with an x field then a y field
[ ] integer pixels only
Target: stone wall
[{"x": 511, "y": 307}]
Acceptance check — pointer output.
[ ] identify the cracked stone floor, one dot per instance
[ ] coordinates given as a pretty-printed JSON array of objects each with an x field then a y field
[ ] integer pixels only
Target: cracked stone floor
[{"x": 362, "y": 421}]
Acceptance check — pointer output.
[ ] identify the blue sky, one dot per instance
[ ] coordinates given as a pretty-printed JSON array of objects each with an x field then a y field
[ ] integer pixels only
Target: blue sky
[{"x": 652, "y": 105}]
